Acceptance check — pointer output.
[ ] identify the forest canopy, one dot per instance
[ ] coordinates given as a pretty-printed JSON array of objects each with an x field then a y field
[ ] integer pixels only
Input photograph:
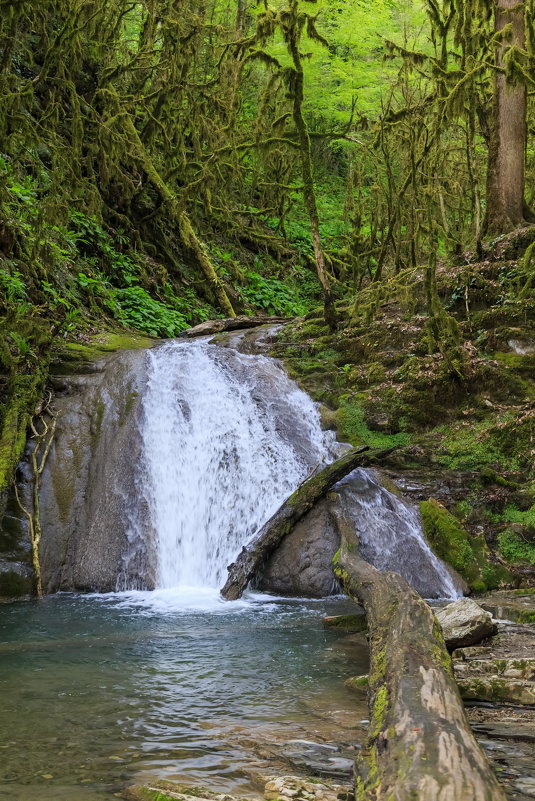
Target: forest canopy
[{"x": 165, "y": 161}]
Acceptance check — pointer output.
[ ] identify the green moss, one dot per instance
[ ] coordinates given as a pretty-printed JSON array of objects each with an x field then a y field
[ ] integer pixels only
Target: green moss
[
  {"x": 13, "y": 585},
  {"x": 73, "y": 355},
  {"x": 312, "y": 328},
  {"x": 439, "y": 649},
  {"x": 490, "y": 476},
  {"x": 24, "y": 392},
  {"x": 355, "y": 430},
  {"x": 523, "y": 364},
  {"x": 357, "y": 683},
  {"x": 380, "y": 708},
  {"x": 470, "y": 446},
  {"x": 455, "y": 546}
]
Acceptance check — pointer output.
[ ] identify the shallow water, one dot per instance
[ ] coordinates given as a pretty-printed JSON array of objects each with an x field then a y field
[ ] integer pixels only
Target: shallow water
[{"x": 98, "y": 692}]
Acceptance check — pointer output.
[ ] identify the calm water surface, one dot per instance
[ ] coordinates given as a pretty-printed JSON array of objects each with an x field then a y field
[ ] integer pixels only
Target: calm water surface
[{"x": 98, "y": 692}]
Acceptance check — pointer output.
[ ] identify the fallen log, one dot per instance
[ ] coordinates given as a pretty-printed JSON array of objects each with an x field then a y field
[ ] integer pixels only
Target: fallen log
[
  {"x": 420, "y": 745},
  {"x": 254, "y": 554},
  {"x": 231, "y": 324}
]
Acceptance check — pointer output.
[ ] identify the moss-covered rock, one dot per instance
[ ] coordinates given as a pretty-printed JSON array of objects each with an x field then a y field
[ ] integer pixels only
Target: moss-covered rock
[
  {"x": 467, "y": 554},
  {"x": 23, "y": 371},
  {"x": 358, "y": 684},
  {"x": 14, "y": 585},
  {"x": 352, "y": 623},
  {"x": 77, "y": 357}
]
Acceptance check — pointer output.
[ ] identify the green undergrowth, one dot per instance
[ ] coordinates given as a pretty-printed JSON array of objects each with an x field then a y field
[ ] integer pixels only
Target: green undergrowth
[
  {"x": 515, "y": 548},
  {"x": 469, "y": 445},
  {"x": 466, "y": 553},
  {"x": 355, "y": 430}
]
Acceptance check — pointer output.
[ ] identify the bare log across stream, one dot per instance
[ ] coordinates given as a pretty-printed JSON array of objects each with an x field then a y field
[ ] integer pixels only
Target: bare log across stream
[
  {"x": 420, "y": 745},
  {"x": 298, "y": 504},
  {"x": 231, "y": 324}
]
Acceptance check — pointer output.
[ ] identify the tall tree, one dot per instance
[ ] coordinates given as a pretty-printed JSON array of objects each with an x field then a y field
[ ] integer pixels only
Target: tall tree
[{"x": 506, "y": 165}]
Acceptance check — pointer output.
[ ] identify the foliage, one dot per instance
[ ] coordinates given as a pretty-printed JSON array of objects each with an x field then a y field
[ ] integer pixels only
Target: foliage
[
  {"x": 272, "y": 295},
  {"x": 454, "y": 545},
  {"x": 141, "y": 312},
  {"x": 515, "y": 548}
]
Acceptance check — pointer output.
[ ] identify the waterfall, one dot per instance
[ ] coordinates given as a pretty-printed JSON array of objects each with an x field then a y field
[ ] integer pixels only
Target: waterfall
[
  {"x": 390, "y": 535},
  {"x": 225, "y": 438}
]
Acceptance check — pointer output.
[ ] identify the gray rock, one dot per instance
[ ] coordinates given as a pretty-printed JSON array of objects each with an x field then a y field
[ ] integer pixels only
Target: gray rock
[
  {"x": 90, "y": 481},
  {"x": 301, "y": 565},
  {"x": 465, "y": 623}
]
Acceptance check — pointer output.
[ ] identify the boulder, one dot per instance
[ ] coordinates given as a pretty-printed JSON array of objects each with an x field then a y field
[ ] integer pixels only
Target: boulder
[
  {"x": 465, "y": 623},
  {"x": 301, "y": 565}
]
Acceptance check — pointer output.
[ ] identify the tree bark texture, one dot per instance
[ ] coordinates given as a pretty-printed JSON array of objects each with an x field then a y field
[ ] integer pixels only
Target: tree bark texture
[
  {"x": 420, "y": 745},
  {"x": 253, "y": 555},
  {"x": 507, "y": 149}
]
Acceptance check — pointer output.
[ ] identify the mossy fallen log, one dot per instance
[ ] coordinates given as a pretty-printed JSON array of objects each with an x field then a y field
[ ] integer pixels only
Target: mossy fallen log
[
  {"x": 298, "y": 504},
  {"x": 231, "y": 324},
  {"x": 420, "y": 744}
]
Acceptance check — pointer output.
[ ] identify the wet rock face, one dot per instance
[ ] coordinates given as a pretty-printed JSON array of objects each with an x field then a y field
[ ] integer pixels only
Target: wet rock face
[
  {"x": 302, "y": 564},
  {"x": 89, "y": 482},
  {"x": 465, "y": 623}
]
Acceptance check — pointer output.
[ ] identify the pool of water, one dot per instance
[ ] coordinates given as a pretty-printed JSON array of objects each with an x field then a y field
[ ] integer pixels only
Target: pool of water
[{"x": 98, "y": 692}]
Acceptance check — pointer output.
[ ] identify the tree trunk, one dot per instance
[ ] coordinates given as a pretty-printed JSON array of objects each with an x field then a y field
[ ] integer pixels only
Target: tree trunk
[
  {"x": 420, "y": 745},
  {"x": 231, "y": 324},
  {"x": 292, "y": 510},
  {"x": 506, "y": 161},
  {"x": 297, "y": 93}
]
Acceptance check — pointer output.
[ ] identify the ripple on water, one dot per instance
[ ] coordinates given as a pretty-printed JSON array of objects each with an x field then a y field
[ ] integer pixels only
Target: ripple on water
[{"x": 98, "y": 691}]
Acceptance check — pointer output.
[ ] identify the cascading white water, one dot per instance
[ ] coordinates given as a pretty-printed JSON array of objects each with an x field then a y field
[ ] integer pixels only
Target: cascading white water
[
  {"x": 390, "y": 535},
  {"x": 226, "y": 438}
]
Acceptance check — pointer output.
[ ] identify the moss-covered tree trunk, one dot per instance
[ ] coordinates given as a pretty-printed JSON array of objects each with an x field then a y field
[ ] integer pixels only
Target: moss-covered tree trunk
[
  {"x": 420, "y": 746},
  {"x": 506, "y": 162},
  {"x": 305, "y": 154}
]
